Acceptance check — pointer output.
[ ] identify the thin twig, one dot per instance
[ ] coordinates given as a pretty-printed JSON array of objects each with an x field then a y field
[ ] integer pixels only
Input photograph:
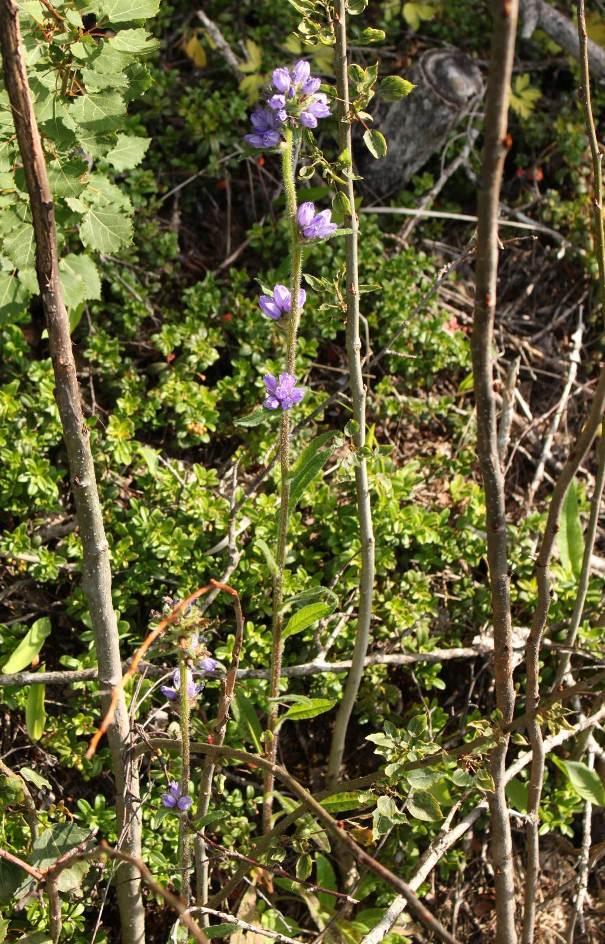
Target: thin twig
[
  {"x": 495, "y": 149},
  {"x": 583, "y": 864}
]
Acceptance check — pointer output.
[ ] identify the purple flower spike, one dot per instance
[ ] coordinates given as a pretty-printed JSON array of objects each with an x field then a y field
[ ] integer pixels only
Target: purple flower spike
[
  {"x": 279, "y": 302},
  {"x": 174, "y": 798},
  {"x": 266, "y": 126},
  {"x": 311, "y": 86},
  {"x": 315, "y": 225},
  {"x": 281, "y": 80},
  {"x": 282, "y": 392},
  {"x": 318, "y": 108}
]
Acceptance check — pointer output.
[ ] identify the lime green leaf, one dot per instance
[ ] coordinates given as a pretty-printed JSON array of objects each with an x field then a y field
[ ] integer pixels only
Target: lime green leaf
[
  {"x": 29, "y": 647},
  {"x": 351, "y": 800},
  {"x": 67, "y": 179},
  {"x": 99, "y": 111},
  {"x": 136, "y": 41},
  {"x": 370, "y": 35},
  {"x": 4, "y": 923},
  {"x": 251, "y": 419},
  {"x": 585, "y": 782},
  {"x": 32, "y": 777},
  {"x": 220, "y": 930},
  {"x": 523, "y": 97},
  {"x": 18, "y": 245},
  {"x": 126, "y": 11},
  {"x": 570, "y": 536},
  {"x": 414, "y": 13},
  {"x": 326, "y": 877},
  {"x": 375, "y": 143},
  {"x": 268, "y": 555},
  {"x": 13, "y": 295},
  {"x": 305, "y": 617},
  {"x": 517, "y": 792},
  {"x": 309, "y": 708},
  {"x": 393, "y": 87},
  {"x": 105, "y": 229},
  {"x": 35, "y": 712},
  {"x": 129, "y": 151},
  {"x": 304, "y": 866},
  {"x": 254, "y": 59}
]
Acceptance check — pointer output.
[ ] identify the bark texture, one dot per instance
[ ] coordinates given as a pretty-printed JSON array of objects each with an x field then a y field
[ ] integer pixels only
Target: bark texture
[
  {"x": 96, "y": 568},
  {"x": 496, "y": 145},
  {"x": 447, "y": 82}
]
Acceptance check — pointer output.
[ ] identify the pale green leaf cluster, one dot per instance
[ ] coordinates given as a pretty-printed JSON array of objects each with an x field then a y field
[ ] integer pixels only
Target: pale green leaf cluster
[{"x": 82, "y": 78}]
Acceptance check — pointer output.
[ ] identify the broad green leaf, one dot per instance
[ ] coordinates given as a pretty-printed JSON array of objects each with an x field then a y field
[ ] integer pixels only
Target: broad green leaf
[
  {"x": 304, "y": 866},
  {"x": 385, "y": 816},
  {"x": 268, "y": 555},
  {"x": 375, "y": 142},
  {"x": 570, "y": 536},
  {"x": 586, "y": 782},
  {"x": 35, "y": 712},
  {"x": 68, "y": 178},
  {"x": 105, "y": 229},
  {"x": 134, "y": 41},
  {"x": 29, "y": 647},
  {"x": 126, "y": 11},
  {"x": 11, "y": 877},
  {"x": 305, "y": 617},
  {"x": 80, "y": 279},
  {"x": 99, "y": 111},
  {"x": 310, "y": 708},
  {"x": 128, "y": 151},
  {"x": 13, "y": 296},
  {"x": 415, "y": 12},
  {"x": 423, "y": 778},
  {"x": 393, "y": 87},
  {"x": 35, "y": 937},
  {"x": 311, "y": 462},
  {"x": 18, "y": 244},
  {"x": 245, "y": 715},
  {"x": 55, "y": 842},
  {"x": 251, "y": 419},
  {"x": 423, "y": 806},
  {"x": 312, "y": 595}
]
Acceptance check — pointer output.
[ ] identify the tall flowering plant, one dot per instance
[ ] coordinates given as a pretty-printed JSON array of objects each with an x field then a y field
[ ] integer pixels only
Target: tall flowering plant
[{"x": 294, "y": 102}]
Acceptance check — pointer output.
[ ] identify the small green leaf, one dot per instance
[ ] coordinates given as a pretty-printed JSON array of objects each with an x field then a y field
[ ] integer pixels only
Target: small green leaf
[
  {"x": 309, "y": 708},
  {"x": 375, "y": 143},
  {"x": 251, "y": 419},
  {"x": 29, "y": 647},
  {"x": 343, "y": 802},
  {"x": 517, "y": 792},
  {"x": 135, "y": 41},
  {"x": 326, "y": 877},
  {"x": 32, "y": 777},
  {"x": 220, "y": 930},
  {"x": 35, "y": 712},
  {"x": 570, "y": 536},
  {"x": 80, "y": 279},
  {"x": 126, "y": 11},
  {"x": 393, "y": 88},
  {"x": 370, "y": 35},
  {"x": 305, "y": 617},
  {"x": 585, "y": 782},
  {"x": 304, "y": 865},
  {"x": 105, "y": 229}
]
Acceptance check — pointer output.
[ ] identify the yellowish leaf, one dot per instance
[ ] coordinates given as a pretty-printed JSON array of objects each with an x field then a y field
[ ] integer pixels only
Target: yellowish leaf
[{"x": 195, "y": 51}]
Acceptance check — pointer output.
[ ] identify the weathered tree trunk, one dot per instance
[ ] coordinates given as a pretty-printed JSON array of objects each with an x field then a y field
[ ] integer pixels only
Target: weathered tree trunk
[
  {"x": 447, "y": 81},
  {"x": 536, "y": 14},
  {"x": 97, "y": 573}
]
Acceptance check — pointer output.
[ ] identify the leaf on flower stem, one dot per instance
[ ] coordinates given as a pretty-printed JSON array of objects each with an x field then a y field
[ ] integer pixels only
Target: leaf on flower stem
[
  {"x": 570, "y": 537},
  {"x": 309, "y": 708},
  {"x": 35, "y": 712},
  {"x": 376, "y": 143},
  {"x": 244, "y": 713},
  {"x": 309, "y": 465},
  {"x": 268, "y": 555},
  {"x": 251, "y": 419},
  {"x": 305, "y": 617}
]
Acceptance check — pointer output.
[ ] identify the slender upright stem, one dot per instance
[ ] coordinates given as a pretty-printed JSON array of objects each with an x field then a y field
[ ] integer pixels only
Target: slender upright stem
[
  {"x": 583, "y": 444},
  {"x": 184, "y": 838},
  {"x": 96, "y": 582},
  {"x": 358, "y": 398},
  {"x": 495, "y": 148},
  {"x": 289, "y": 178}
]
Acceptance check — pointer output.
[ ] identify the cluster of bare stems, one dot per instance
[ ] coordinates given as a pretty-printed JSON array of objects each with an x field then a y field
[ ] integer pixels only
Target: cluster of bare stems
[{"x": 127, "y": 751}]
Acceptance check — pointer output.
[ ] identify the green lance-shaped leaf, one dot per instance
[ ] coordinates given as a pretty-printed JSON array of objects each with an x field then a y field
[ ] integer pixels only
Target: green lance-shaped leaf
[
  {"x": 80, "y": 279},
  {"x": 310, "y": 463},
  {"x": 268, "y": 555},
  {"x": 376, "y": 143},
  {"x": 307, "y": 708},
  {"x": 326, "y": 877},
  {"x": 585, "y": 782},
  {"x": 35, "y": 712},
  {"x": 28, "y": 648},
  {"x": 394, "y": 87},
  {"x": 305, "y": 617},
  {"x": 571, "y": 537},
  {"x": 245, "y": 715}
]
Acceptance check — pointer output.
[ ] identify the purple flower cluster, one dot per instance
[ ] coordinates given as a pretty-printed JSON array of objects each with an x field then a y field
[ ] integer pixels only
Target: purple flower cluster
[
  {"x": 296, "y": 99},
  {"x": 314, "y": 225},
  {"x": 171, "y": 692},
  {"x": 282, "y": 392},
  {"x": 174, "y": 799},
  {"x": 279, "y": 302}
]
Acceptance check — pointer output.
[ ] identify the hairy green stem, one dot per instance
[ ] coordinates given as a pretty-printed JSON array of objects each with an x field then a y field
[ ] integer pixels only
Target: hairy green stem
[
  {"x": 358, "y": 398},
  {"x": 184, "y": 839},
  {"x": 289, "y": 178}
]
